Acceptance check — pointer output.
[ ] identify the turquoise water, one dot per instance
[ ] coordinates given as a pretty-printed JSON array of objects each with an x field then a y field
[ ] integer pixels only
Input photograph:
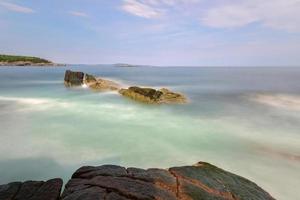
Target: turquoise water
[{"x": 245, "y": 120}]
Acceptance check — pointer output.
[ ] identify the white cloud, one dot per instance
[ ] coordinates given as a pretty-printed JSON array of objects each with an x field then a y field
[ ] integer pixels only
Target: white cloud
[
  {"x": 279, "y": 14},
  {"x": 155, "y": 8},
  {"x": 78, "y": 14},
  {"x": 16, "y": 8},
  {"x": 140, "y": 9}
]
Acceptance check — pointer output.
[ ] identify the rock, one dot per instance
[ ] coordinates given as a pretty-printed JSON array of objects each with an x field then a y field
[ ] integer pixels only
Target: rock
[
  {"x": 172, "y": 97},
  {"x": 202, "y": 181},
  {"x": 89, "y": 79},
  {"x": 32, "y": 190},
  {"x": 146, "y": 95},
  {"x": 73, "y": 78},
  {"x": 150, "y": 95},
  {"x": 102, "y": 84},
  {"x": 79, "y": 78},
  {"x": 198, "y": 182}
]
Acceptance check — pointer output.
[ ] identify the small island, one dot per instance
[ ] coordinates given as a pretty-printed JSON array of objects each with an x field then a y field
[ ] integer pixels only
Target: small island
[
  {"x": 13, "y": 60},
  {"x": 124, "y": 65}
]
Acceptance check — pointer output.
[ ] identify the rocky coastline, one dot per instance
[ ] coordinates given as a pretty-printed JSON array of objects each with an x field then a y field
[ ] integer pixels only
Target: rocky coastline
[
  {"x": 201, "y": 181},
  {"x": 140, "y": 94}
]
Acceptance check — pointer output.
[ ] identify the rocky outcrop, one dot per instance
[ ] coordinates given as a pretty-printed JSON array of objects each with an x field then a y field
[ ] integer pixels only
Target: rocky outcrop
[
  {"x": 73, "y": 78},
  {"x": 32, "y": 190},
  {"x": 150, "y": 95},
  {"x": 146, "y": 95},
  {"x": 202, "y": 181}
]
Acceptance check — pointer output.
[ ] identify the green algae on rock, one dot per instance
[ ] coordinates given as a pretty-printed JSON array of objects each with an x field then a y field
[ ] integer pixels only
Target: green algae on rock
[{"x": 150, "y": 95}]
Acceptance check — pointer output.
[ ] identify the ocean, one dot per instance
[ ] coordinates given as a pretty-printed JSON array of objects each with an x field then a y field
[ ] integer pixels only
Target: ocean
[{"x": 243, "y": 119}]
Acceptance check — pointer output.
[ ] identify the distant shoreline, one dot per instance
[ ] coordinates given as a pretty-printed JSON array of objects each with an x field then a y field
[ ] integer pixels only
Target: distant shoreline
[
  {"x": 30, "y": 64},
  {"x": 13, "y": 60}
]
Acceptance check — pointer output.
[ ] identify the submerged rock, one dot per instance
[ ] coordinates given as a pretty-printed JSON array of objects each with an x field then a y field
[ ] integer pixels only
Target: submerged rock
[
  {"x": 202, "y": 181},
  {"x": 150, "y": 95}
]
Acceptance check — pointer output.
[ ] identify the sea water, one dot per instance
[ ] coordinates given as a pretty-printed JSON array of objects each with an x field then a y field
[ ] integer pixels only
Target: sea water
[{"x": 243, "y": 119}]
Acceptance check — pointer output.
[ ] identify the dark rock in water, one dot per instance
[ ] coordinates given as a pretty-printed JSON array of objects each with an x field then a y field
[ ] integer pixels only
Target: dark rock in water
[
  {"x": 150, "y": 95},
  {"x": 79, "y": 78},
  {"x": 198, "y": 182},
  {"x": 32, "y": 190},
  {"x": 73, "y": 78}
]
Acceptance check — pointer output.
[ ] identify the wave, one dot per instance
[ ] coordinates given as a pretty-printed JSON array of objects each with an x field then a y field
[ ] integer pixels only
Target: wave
[
  {"x": 23, "y": 100},
  {"x": 37, "y": 102},
  {"x": 290, "y": 102}
]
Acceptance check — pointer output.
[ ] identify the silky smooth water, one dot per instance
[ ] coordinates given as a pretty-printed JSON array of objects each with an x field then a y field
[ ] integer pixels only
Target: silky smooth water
[{"x": 242, "y": 119}]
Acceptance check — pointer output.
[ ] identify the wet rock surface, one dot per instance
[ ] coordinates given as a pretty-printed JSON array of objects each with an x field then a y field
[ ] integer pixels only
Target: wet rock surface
[{"x": 109, "y": 182}]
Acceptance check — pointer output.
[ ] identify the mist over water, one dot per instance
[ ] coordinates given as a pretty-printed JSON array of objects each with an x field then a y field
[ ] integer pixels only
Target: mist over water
[{"x": 245, "y": 120}]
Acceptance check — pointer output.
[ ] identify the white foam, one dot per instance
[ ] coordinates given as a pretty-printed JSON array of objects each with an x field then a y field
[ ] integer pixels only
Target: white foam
[
  {"x": 84, "y": 85},
  {"x": 23, "y": 100},
  {"x": 38, "y": 103},
  {"x": 283, "y": 101}
]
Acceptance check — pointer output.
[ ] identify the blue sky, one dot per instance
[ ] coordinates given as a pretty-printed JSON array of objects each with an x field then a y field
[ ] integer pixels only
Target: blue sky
[{"x": 154, "y": 32}]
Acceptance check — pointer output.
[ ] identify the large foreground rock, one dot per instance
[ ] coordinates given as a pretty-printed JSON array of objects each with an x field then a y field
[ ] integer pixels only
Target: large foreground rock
[
  {"x": 150, "y": 95},
  {"x": 202, "y": 181},
  {"x": 198, "y": 182},
  {"x": 32, "y": 190}
]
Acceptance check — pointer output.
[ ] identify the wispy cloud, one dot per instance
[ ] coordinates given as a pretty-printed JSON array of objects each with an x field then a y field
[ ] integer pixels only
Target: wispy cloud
[
  {"x": 78, "y": 14},
  {"x": 276, "y": 14},
  {"x": 155, "y": 8},
  {"x": 16, "y": 8},
  {"x": 141, "y": 9},
  {"x": 279, "y": 14}
]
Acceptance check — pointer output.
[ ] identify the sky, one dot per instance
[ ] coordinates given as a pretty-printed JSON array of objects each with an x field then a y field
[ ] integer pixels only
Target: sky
[{"x": 154, "y": 32}]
